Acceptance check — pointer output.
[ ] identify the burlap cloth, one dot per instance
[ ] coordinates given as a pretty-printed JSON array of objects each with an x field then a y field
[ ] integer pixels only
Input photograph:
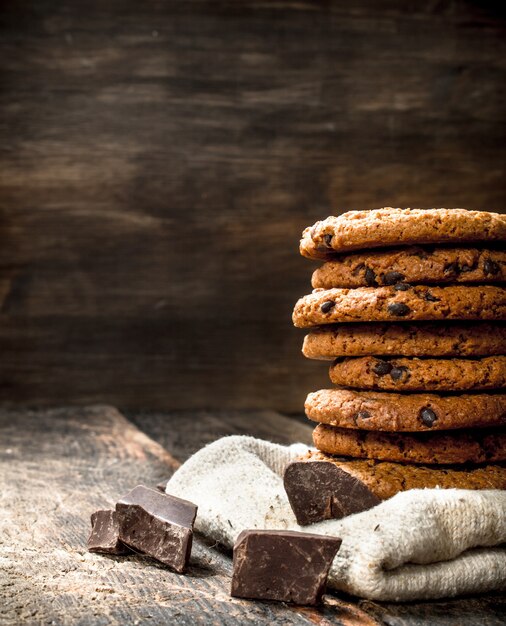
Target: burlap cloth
[{"x": 420, "y": 544}]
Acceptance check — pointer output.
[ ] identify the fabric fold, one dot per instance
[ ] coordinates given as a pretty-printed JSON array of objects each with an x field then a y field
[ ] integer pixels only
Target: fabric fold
[{"x": 420, "y": 544}]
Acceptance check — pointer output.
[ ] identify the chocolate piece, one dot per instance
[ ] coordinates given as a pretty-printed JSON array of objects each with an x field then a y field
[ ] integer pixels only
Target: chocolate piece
[
  {"x": 370, "y": 277},
  {"x": 282, "y": 565},
  {"x": 158, "y": 525},
  {"x": 390, "y": 278},
  {"x": 428, "y": 416},
  {"x": 430, "y": 298},
  {"x": 319, "y": 490},
  {"x": 452, "y": 268},
  {"x": 423, "y": 253},
  {"x": 328, "y": 240},
  {"x": 491, "y": 267},
  {"x": 402, "y": 287},
  {"x": 398, "y": 308},
  {"x": 398, "y": 372},
  {"x": 327, "y": 306},
  {"x": 358, "y": 269},
  {"x": 381, "y": 368},
  {"x": 104, "y": 534}
]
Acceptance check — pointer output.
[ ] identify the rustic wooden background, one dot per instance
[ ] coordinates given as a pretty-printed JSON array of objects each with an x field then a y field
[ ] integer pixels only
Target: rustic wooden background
[{"x": 158, "y": 160}]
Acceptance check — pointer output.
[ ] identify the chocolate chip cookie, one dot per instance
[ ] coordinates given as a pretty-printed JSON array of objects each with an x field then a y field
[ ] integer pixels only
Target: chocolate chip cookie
[
  {"x": 379, "y": 228},
  {"x": 407, "y": 374},
  {"x": 457, "y": 446},
  {"x": 412, "y": 265},
  {"x": 436, "y": 339},
  {"x": 394, "y": 412},
  {"x": 400, "y": 302}
]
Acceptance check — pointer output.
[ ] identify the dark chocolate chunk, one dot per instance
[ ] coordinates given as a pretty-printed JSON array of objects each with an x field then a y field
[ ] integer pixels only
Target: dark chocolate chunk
[
  {"x": 402, "y": 287},
  {"x": 452, "y": 269},
  {"x": 398, "y": 308},
  {"x": 421, "y": 253},
  {"x": 381, "y": 368},
  {"x": 430, "y": 297},
  {"x": 328, "y": 240},
  {"x": 362, "y": 414},
  {"x": 158, "y": 525},
  {"x": 390, "y": 278},
  {"x": 319, "y": 490},
  {"x": 370, "y": 277},
  {"x": 104, "y": 536},
  {"x": 282, "y": 565},
  {"x": 399, "y": 373},
  {"x": 358, "y": 269},
  {"x": 491, "y": 267},
  {"x": 327, "y": 306},
  {"x": 428, "y": 416},
  {"x": 466, "y": 268}
]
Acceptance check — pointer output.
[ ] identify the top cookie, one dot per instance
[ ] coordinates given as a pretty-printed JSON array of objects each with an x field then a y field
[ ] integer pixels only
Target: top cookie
[{"x": 380, "y": 228}]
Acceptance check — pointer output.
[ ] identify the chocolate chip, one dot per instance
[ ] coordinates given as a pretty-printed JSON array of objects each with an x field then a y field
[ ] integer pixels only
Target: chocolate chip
[
  {"x": 430, "y": 298},
  {"x": 428, "y": 416},
  {"x": 390, "y": 278},
  {"x": 398, "y": 308},
  {"x": 491, "y": 267},
  {"x": 358, "y": 269},
  {"x": 398, "y": 372},
  {"x": 402, "y": 286},
  {"x": 382, "y": 367},
  {"x": 370, "y": 277},
  {"x": 328, "y": 240},
  {"x": 466, "y": 268},
  {"x": 362, "y": 414},
  {"x": 327, "y": 306},
  {"x": 452, "y": 268},
  {"x": 420, "y": 253}
]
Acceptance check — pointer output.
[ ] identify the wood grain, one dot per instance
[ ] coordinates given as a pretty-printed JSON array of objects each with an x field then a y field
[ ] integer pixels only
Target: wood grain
[
  {"x": 158, "y": 161},
  {"x": 182, "y": 433},
  {"x": 59, "y": 466}
]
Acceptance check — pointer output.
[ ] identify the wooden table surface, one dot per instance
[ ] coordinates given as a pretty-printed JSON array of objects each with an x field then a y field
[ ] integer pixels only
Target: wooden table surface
[{"x": 58, "y": 466}]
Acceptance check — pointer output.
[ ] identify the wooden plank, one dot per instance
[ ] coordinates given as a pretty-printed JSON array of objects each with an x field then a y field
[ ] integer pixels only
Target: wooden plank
[
  {"x": 158, "y": 161},
  {"x": 189, "y": 364},
  {"x": 489, "y": 610},
  {"x": 182, "y": 433},
  {"x": 58, "y": 466}
]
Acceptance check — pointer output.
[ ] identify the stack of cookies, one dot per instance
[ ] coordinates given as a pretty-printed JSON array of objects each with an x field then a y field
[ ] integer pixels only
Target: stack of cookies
[{"x": 409, "y": 306}]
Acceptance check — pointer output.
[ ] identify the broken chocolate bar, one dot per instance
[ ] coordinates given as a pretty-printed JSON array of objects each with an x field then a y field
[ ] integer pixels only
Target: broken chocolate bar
[
  {"x": 104, "y": 534},
  {"x": 158, "y": 525},
  {"x": 282, "y": 565},
  {"x": 319, "y": 490}
]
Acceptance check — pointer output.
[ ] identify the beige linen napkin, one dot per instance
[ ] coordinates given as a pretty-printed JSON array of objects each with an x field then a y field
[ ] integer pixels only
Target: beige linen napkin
[{"x": 420, "y": 544}]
